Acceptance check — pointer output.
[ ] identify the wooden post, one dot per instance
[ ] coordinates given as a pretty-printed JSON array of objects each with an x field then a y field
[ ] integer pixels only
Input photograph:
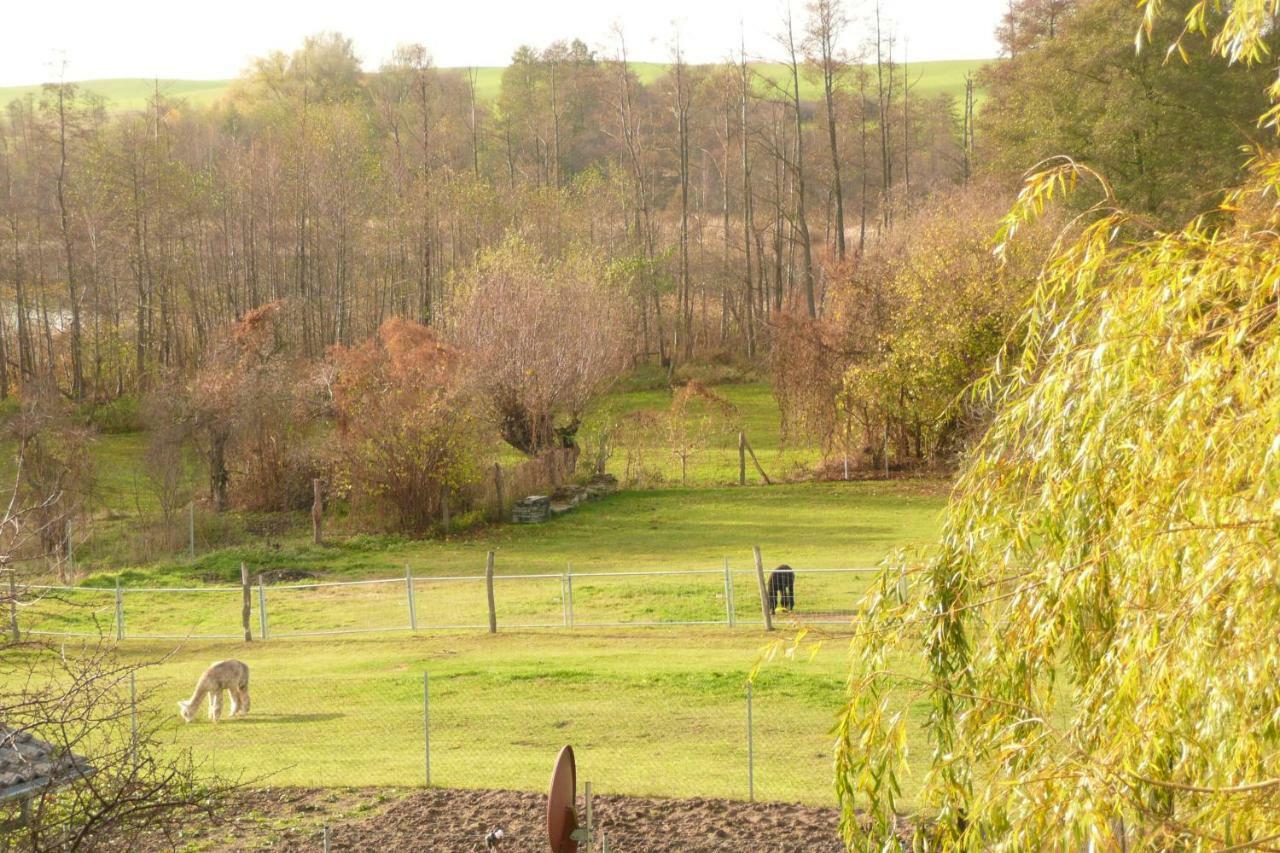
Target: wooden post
[
  {"x": 742, "y": 458},
  {"x": 444, "y": 508},
  {"x": 764, "y": 590},
  {"x": 488, "y": 583},
  {"x": 317, "y": 513},
  {"x": 13, "y": 605},
  {"x": 756, "y": 461},
  {"x": 501, "y": 514},
  {"x": 245, "y": 603}
]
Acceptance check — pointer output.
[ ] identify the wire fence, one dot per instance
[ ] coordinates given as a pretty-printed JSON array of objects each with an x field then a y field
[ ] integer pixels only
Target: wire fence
[
  {"x": 770, "y": 741},
  {"x": 725, "y": 596}
]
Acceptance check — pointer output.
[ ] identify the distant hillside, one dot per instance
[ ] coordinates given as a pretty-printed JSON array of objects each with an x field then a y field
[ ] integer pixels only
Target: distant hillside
[{"x": 928, "y": 78}]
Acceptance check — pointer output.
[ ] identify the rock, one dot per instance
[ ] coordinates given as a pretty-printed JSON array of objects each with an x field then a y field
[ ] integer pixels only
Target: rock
[{"x": 534, "y": 509}]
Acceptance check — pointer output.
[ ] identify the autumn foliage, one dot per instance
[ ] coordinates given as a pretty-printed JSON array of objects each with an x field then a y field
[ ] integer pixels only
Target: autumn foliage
[{"x": 405, "y": 422}]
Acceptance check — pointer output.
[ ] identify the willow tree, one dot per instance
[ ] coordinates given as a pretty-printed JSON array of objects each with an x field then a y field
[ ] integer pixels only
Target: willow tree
[{"x": 1097, "y": 629}]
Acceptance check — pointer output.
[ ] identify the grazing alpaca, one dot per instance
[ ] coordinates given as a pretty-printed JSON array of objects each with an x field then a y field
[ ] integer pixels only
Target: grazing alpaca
[{"x": 230, "y": 675}]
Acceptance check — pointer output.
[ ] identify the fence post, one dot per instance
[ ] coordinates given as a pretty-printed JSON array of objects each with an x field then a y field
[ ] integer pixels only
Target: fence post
[
  {"x": 742, "y": 458},
  {"x": 317, "y": 512},
  {"x": 751, "y": 751},
  {"x": 262, "y": 608},
  {"x": 191, "y": 530},
  {"x": 13, "y": 605},
  {"x": 413, "y": 610},
  {"x": 426, "y": 724},
  {"x": 119, "y": 611},
  {"x": 564, "y": 599},
  {"x": 245, "y": 603},
  {"x": 590, "y": 827},
  {"x": 568, "y": 577},
  {"x": 326, "y": 838},
  {"x": 488, "y": 583},
  {"x": 133, "y": 714},
  {"x": 728, "y": 594},
  {"x": 501, "y": 515},
  {"x": 764, "y": 591}
]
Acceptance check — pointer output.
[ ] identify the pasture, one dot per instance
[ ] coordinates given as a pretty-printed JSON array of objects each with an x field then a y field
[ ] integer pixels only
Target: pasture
[{"x": 129, "y": 93}]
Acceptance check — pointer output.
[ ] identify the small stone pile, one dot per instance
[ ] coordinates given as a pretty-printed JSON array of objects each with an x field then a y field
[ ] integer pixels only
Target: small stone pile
[
  {"x": 539, "y": 508},
  {"x": 534, "y": 509}
]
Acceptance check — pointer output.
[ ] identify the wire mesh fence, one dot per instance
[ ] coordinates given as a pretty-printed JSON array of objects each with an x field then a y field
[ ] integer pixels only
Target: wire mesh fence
[
  {"x": 721, "y": 596},
  {"x": 768, "y": 742}
]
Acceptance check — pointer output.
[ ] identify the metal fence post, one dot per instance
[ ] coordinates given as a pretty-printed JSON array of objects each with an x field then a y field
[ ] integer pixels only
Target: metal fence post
[
  {"x": 262, "y": 608},
  {"x": 728, "y": 594},
  {"x": 751, "y": 754},
  {"x": 119, "y": 611},
  {"x": 564, "y": 599},
  {"x": 590, "y": 827},
  {"x": 568, "y": 576},
  {"x": 13, "y": 605},
  {"x": 426, "y": 724},
  {"x": 191, "y": 530},
  {"x": 408, "y": 585},
  {"x": 326, "y": 838},
  {"x": 133, "y": 714}
]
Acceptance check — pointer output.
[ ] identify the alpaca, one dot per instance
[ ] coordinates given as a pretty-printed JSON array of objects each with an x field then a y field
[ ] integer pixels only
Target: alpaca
[{"x": 230, "y": 675}]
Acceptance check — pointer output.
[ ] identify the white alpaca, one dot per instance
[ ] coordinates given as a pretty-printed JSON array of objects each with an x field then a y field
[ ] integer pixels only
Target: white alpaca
[{"x": 229, "y": 675}]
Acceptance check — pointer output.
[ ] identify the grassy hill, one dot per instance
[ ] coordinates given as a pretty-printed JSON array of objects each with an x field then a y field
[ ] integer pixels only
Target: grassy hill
[{"x": 131, "y": 93}]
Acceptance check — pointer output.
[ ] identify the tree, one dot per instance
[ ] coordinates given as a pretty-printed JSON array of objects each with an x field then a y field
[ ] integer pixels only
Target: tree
[
  {"x": 826, "y": 24},
  {"x": 1167, "y": 134},
  {"x": 405, "y": 422},
  {"x": 1096, "y": 627},
  {"x": 535, "y": 370}
]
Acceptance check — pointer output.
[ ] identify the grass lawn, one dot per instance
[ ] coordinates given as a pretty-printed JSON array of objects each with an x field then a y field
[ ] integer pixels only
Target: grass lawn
[{"x": 657, "y": 713}]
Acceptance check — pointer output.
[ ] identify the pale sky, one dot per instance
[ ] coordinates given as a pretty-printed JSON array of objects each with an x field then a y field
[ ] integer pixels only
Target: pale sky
[{"x": 214, "y": 40}]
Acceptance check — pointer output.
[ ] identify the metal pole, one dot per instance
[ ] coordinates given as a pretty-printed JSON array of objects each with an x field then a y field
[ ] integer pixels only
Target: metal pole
[
  {"x": 326, "y": 838},
  {"x": 262, "y": 608},
  {"x": 13, "y": 605},
  {"x": 488, "y": 583},
  {"x": 568, "y": 575},
  {"x": 133, "y": 714},
  {"x": 191, "y": 530},
  {"x": 426, "y": 725},
  {"x": 728, "y": 594},
  {"x": 589, "y": 824},
  {"x": 119, "y": 611},
  {"x": 564, "y": 599},
  {"x": 751, "y": 754},
  {"x": 413, "y": 611}
]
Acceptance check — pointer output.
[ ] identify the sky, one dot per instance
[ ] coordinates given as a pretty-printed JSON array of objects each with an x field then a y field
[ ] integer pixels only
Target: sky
[{"x": 172, "y": 39}]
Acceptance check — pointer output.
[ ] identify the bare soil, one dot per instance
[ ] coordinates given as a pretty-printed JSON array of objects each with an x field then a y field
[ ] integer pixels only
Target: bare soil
[
  {"x": 403, "y": 821},
  {"x": 456, "y": 820}
]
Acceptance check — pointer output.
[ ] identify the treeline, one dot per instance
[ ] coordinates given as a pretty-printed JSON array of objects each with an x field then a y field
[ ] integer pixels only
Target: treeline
[
  {"x": 716, "y": 205},
  {"x": 714, "y": 195}
]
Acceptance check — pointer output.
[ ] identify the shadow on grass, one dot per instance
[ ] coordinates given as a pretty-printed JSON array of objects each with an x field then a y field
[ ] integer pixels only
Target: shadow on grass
[{"x": 288, "y": 718}]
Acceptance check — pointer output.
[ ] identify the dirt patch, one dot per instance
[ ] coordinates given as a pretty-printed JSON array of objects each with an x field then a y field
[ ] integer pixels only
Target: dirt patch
[{"x": 456, "y": 820}]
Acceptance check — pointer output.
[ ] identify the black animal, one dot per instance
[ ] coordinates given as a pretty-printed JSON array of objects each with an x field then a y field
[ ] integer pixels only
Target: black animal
[{"x": 782, "y": 589}]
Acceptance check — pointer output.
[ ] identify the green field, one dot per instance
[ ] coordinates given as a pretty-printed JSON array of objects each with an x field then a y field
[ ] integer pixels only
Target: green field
[
  {"x": 654, "y": 710},
  {"x": 928, "y": 78},
  {"x": 649, "y": 713}
]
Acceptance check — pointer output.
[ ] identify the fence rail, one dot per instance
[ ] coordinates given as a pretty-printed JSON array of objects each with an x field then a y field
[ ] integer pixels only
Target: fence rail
[{"x": 725, "y": 596}]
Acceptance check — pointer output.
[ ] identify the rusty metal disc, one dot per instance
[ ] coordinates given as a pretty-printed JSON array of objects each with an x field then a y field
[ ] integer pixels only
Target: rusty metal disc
[{"x": 562, "y": 820}]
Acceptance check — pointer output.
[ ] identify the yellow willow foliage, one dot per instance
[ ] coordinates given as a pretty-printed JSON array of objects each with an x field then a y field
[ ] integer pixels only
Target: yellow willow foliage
[
  {"x": 1101, "y": 623},
  {"x": 1099, "y": 628}
]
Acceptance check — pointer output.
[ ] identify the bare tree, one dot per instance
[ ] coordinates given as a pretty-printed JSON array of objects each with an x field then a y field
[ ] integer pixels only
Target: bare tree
[{"x": 826, "y": 24}]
